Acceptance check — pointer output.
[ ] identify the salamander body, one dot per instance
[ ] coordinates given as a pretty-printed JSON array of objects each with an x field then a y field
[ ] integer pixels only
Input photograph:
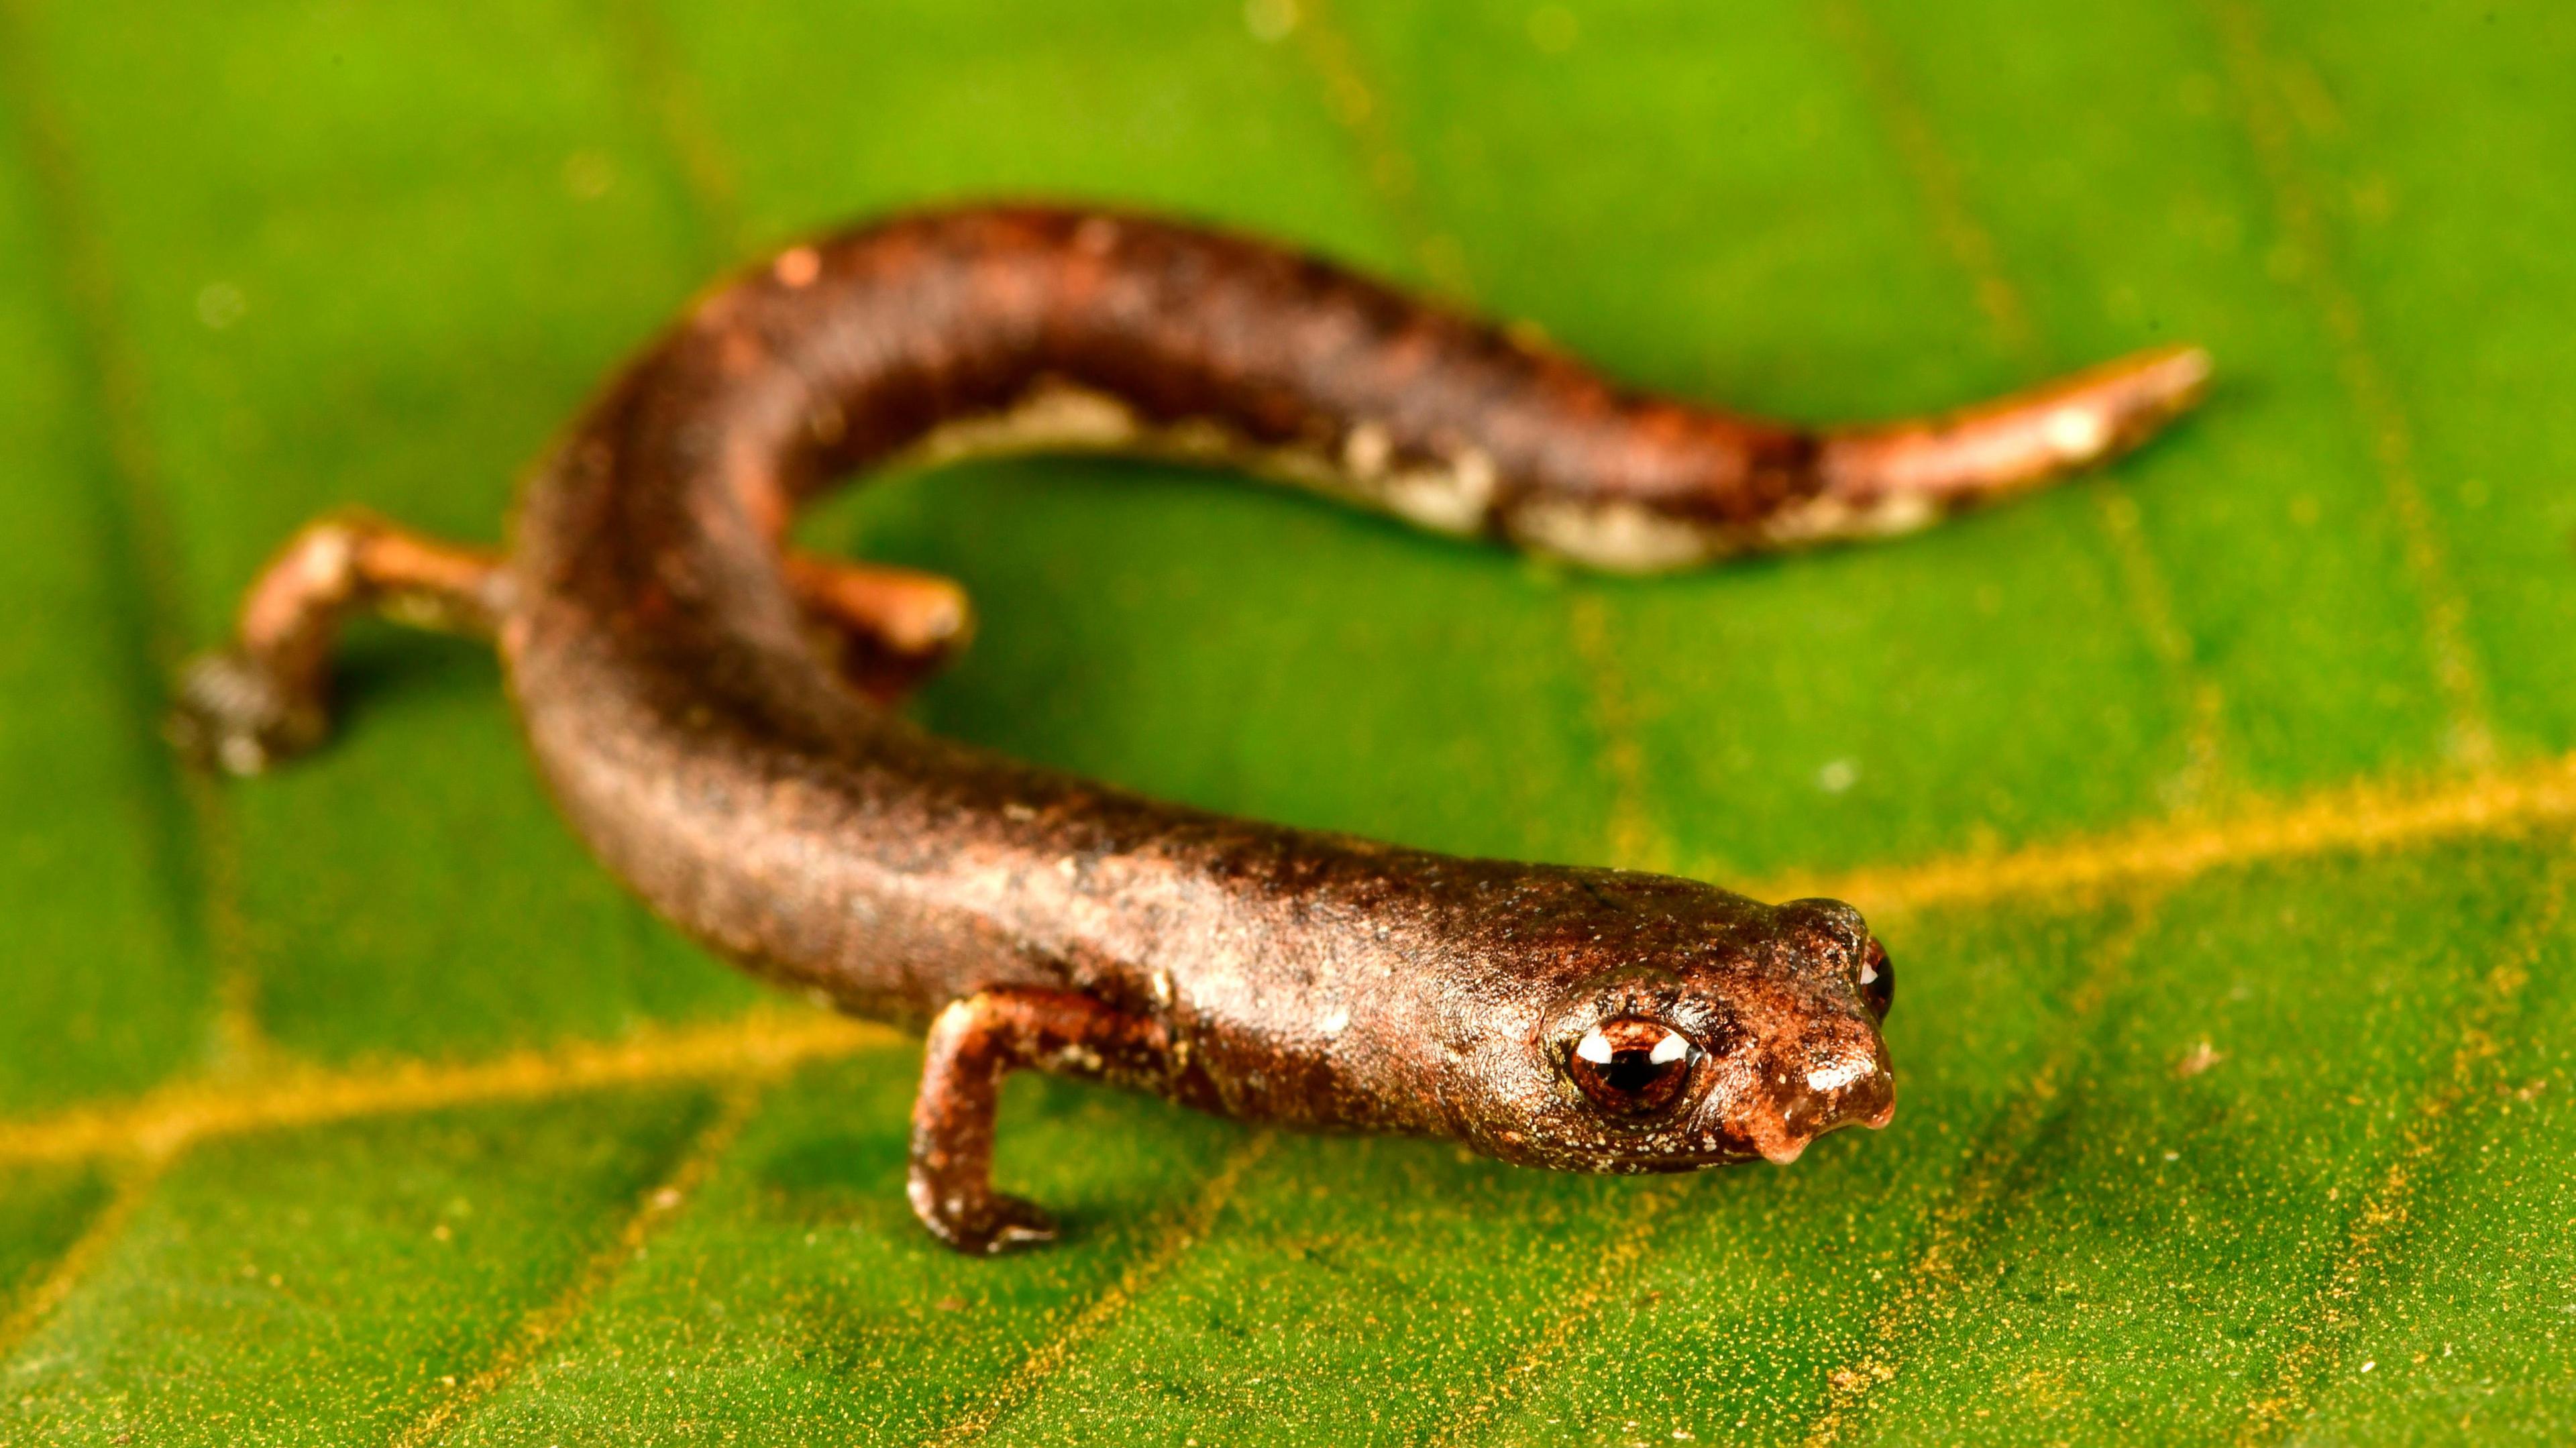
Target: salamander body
[{"x": 709, "y": 708}]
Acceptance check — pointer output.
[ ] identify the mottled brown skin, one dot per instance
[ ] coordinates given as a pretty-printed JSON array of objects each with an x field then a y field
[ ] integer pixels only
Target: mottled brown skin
[{"x": 688, "y": 692}]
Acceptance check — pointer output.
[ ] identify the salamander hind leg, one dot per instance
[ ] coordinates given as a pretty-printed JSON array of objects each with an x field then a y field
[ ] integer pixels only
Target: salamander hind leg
[
  {"x": 886, "y": 629},
  {"x": 265, "y": 697},
  {"x": 973, "y": 1044}
]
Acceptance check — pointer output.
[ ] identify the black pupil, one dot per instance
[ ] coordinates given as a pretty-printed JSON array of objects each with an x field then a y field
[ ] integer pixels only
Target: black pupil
[{"x": 1633, "y": 1071}]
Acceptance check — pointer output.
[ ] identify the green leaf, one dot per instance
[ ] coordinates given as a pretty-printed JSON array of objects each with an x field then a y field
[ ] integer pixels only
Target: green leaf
[{"x": 2215, "y": 809}]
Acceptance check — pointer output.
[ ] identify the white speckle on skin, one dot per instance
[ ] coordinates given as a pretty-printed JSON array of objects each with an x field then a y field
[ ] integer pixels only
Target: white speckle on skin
[
  {"x": 1053, "y": 416},
  {"x": 1839, "y": 1075},
  {"x": 797, "y": 266},
  {"x": 1335, "y": 1023},
  {"x": 1198, "y": 438},
  {"x": 1838, "y": 775},
  {"x": 1366, "y": 450},
  {"x": 1453, "y": 499},
  {"x": 1825, "y": 518},
  {"x": 1619, "y": 535},
  {"x": 2077, "y": 432},
  {"x": 326, "y": 559}
]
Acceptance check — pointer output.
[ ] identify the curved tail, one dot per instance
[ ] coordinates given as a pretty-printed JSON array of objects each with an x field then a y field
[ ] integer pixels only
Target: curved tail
[
  {"x": 1767, "y": 487},
  {"x": 2007, "y": 445}
]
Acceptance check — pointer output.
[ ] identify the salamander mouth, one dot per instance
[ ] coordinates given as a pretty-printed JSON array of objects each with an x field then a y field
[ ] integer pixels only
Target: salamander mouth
[
  {"x": 1847, "y": 1089},
  {"x": 1754, "y": 1134}
]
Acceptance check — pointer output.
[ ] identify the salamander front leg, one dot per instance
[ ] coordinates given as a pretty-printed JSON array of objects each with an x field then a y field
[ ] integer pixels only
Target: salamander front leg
[
  {"x": 887, "y": 629},
  {"x": 266, "y": 697},
  {"x": 973, "y": 1045}
]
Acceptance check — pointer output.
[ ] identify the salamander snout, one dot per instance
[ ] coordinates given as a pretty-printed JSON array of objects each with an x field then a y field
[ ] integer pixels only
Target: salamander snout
[
  {"x": 1831, "y": 1075},
  {"x": 1823, "y": 1062}
]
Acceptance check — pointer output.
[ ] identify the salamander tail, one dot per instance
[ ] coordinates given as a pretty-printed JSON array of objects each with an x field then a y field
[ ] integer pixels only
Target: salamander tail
[{"x": 2015, "y": 443}]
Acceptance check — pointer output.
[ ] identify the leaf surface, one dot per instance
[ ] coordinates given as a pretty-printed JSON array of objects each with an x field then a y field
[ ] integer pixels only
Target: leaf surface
[{"x": 2215, "y": 808}]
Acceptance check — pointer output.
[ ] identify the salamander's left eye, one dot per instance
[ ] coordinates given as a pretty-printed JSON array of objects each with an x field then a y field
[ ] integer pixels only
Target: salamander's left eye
[{"x": 1632, "y": 1066}]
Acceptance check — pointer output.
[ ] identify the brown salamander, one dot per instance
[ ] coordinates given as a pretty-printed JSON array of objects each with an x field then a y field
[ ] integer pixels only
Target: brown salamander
[{"x": 708, "y": 706}]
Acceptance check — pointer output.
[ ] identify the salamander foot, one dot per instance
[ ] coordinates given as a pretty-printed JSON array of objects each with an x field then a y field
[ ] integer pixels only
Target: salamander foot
[
  {"x": 886, "y": 629},
  {"x": 266, "y": 698},
  {"x": 973, "y": 1044},
  {"x": 984, "y": 1225},
  {"x": 233, "y": 713}
]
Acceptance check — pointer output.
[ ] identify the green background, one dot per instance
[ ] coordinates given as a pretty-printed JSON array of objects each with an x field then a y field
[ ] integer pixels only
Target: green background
[{"x": 2215, "y": 809}]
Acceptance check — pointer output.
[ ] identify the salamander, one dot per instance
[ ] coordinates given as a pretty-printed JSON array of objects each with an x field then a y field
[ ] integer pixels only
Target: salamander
[{"x": 710, "y": 708}]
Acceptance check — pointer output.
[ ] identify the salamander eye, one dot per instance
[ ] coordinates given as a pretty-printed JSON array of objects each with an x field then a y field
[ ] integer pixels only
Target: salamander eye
[
  {"x": 1877, "y": 981},
  {"x": 1632, "y": 1066}
]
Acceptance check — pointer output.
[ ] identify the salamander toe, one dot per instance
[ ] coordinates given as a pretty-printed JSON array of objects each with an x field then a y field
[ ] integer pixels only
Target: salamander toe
[{"x": 230, "y": 712}]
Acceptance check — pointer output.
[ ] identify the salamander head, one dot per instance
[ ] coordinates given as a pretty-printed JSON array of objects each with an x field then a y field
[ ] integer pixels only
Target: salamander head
[{"x": 1752, "y": 1045}]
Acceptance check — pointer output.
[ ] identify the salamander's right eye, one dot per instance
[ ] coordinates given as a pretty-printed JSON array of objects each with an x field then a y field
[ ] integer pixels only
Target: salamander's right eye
[
  {"x": 1877, "y": 981},
  {"x": 1632, "y": 1066}
]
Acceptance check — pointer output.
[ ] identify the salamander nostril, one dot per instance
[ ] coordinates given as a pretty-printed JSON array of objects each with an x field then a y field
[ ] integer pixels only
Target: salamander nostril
[{"x": 1877, "y": 980}]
